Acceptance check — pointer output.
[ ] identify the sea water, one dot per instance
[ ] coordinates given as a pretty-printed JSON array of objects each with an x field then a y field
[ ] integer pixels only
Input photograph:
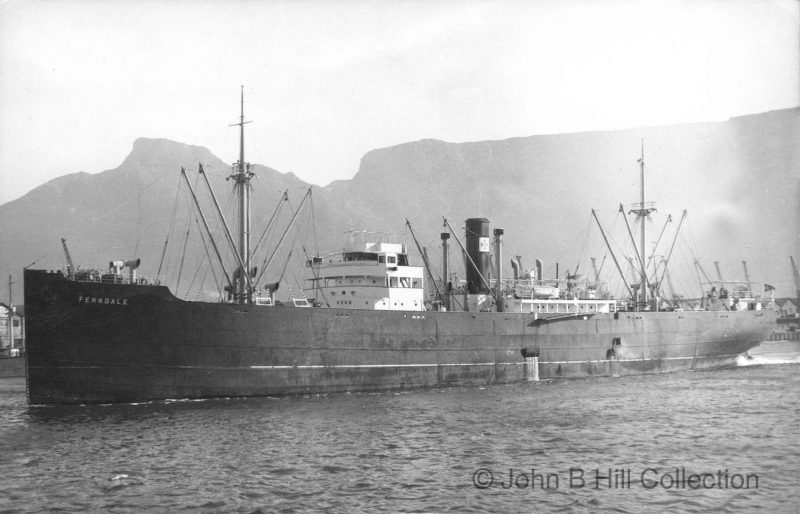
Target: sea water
[{"x": 722, "y": 440}]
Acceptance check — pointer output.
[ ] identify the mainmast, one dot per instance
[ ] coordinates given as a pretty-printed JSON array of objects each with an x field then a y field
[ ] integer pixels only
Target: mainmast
[
  {"x": 642, "y": 213},
  {"x": 241, "y": 175}
]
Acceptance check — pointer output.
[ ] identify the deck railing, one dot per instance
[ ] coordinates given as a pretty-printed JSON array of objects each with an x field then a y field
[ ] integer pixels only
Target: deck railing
[
  {"x": 784, "y": 336},
  {"x": 94, "y": 275}
]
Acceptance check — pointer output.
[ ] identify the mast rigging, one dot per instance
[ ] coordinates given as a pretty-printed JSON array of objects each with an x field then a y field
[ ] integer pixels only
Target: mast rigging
[
  {"x": 208, "y": 231},
  {"x": 619, "y": 268},
  {"x": 239, "y": 257}
]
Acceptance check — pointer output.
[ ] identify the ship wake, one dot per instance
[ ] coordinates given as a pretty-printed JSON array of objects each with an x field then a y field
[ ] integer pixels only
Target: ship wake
[{"x": 766, "y": 360}]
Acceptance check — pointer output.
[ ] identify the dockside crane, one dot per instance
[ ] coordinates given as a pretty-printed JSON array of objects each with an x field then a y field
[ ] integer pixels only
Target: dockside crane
[
  {"x": 796, "y": 285},
  {"x": 719, "y": 275},
  {"x": 747, "y": 276},
  {"x": 70, "y": 267},
  {"x": 596, "y": 273}
]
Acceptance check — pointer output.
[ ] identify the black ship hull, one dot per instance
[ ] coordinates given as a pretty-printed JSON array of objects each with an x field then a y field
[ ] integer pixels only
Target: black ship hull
[{"x": 94, "y": 342}]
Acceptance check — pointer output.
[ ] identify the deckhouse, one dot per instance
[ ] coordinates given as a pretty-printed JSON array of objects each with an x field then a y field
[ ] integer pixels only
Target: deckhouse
[{"x": 369, "y": 275}]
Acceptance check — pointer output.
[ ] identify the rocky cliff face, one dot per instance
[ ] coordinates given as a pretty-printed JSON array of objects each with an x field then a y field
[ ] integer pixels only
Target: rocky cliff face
[{"x": 739, "y": 180}]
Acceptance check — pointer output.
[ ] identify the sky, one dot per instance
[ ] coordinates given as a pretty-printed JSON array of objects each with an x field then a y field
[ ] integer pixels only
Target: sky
[{"x": 327, "y": 81}]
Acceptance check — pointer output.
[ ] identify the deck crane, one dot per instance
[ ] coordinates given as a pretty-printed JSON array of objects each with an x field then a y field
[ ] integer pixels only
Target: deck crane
[{"x": 70, "y": 267}]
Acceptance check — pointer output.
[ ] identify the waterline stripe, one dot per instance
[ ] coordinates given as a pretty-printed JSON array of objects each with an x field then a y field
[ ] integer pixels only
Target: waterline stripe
[
  {"x": 428, "y": 365},
  {"x": 646, "y": 360},
  {"x": 433, "y": 365}
]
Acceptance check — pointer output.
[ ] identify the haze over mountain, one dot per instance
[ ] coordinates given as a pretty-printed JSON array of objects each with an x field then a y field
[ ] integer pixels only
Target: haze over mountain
[{"x": 739, "y": 180}]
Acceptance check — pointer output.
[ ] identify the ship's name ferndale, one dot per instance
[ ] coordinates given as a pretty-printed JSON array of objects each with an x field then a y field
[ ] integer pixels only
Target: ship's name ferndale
[{"x": 104, "y": 301}]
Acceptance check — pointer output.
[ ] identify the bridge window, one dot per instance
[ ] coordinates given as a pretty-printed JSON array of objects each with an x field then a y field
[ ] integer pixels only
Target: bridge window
[
  {"x": 392, "y": 281},
  {"x": 360, "y": 256},
  {"x": 391, "y": 259}
]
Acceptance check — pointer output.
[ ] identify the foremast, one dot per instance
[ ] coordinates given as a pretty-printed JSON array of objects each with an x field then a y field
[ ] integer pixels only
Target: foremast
[{"x": 241, "y": 175}]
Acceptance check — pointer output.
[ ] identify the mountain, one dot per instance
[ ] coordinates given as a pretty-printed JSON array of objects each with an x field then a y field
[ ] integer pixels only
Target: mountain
[{"x": 738, "y": 179}]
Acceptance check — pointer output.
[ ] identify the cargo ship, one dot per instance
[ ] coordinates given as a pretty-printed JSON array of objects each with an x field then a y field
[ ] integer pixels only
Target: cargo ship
[{"x": 364, "y": 324}]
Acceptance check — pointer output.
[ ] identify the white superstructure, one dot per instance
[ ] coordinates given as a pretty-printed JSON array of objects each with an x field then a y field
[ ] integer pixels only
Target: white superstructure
[{"x": 375, "y": 276}]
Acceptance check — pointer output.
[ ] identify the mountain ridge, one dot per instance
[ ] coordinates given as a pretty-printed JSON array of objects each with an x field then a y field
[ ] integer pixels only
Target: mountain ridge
[{"x": 739, "y": 176}]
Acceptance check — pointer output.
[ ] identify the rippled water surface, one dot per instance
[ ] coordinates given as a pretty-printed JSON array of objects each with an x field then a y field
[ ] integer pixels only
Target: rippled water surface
[{"x": 420, "y": 450}]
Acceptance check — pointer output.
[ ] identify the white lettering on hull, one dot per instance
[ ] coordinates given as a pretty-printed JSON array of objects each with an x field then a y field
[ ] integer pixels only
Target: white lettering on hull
[{"x": 102, "y": 300}]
